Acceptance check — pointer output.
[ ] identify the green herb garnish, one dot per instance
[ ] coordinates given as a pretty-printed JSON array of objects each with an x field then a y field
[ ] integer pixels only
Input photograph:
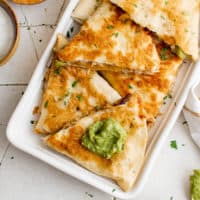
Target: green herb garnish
[
  {"x": 75, "y": 83},
  {"x": 130, "y": 86},
  {"x": 110, "y": 27},
  {"x": 79, "y": 97},
  {"x": 135, "y": 5},
  {"x": 115, "y": 34},
  {"x": 173, "y": 144},
  {"x": 165, "y": 54},
  {"x": 46, "y": 104}
]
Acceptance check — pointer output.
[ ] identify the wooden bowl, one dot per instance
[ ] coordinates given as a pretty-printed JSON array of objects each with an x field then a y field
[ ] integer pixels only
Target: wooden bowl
[
  {"x": 27, "y": 2},
  {"x": 12, "y": 46}
]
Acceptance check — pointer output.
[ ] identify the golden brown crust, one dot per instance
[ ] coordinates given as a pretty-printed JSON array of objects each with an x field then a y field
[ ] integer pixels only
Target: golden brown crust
[
  {"x": 153, "y": 88},
  {"x": 109, "y": 40},
  {"x": 176, "y": 22},
  {"x": 71, "y": 93},
  {"x": 123, "y": 166}
]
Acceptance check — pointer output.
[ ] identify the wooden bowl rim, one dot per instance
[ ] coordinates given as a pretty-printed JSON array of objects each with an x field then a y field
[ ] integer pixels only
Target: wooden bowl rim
[{"x": 13, "y": 17}]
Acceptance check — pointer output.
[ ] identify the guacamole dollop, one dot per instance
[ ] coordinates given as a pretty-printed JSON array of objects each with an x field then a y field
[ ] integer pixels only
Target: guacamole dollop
[
  {"x": 195, "y": 185},
  {"x": 105, "y": 138}
]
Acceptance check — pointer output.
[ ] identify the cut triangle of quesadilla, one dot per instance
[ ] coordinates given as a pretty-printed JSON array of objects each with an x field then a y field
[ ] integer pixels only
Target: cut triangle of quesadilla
[
  {"x": 154, "y": 89},
  {"x": 176, "y": 22},
  {"x": 69, "y": 94},
  {"x": 121, "y": 127},
  {"x": 84, "y": 9},
  {"x": 110, "y": 41}
]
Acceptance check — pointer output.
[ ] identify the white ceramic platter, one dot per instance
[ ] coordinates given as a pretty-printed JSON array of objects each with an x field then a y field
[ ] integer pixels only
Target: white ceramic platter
[{"x": 20, "y": 131}]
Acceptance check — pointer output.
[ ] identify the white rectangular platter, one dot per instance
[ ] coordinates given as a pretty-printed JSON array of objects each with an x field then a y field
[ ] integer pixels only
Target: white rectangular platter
[{"x": 20, "y": 131}]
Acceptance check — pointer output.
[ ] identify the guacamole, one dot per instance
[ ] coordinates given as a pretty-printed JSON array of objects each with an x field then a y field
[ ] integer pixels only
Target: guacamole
[
  {"x": 179, "y": 52},
  {"x": 105, "y": 138},
  {"x": 195, "y": 185}
]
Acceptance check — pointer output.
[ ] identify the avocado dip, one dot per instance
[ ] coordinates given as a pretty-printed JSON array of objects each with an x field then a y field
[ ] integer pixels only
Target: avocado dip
[{"x": 105, "y": 138}]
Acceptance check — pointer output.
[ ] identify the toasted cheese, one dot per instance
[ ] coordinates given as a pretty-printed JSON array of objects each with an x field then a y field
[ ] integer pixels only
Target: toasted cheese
[
  {"x": 110, "y": 41},
  {"x": 84, "y": 9},
  {"x": 153, "y": 88},
  {"x": 176, "y": 22},
  {"x": 71, "y": 93},
  {"x": 122, "y": 167}
]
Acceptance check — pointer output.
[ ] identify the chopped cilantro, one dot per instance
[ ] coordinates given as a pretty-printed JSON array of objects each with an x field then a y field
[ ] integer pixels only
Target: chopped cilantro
[
  {"x": 58, "y": 70},
  {"x": 130, "y": 86},
  {"x": 75, "y": 83},
  {"x": 171, "y": 198},
  {"x": 165, "y": 97},
  {"x": 173, "y": 144},
  {"x": 115, "y": 34},
  {"x": 110, "y": 27},
  {"x": 113, "y": 190},
  {"x": 79, "y": 97},
  {"x": 46, "y": 104},
  {"x": 165, "y": 54},
  {"x": 97, "y": 108},
  {"x": 162, "y": 17},
  {"x": 135, "y": 5},
  {"x": 169, "y": 96}
]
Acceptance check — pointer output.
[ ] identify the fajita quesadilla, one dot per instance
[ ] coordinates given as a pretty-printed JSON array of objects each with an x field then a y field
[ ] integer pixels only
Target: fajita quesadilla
[
  {"x": 71, "y": 93},
  {"x": 110, "y": 41},
  {"x": 176, "y": 22},
  {"x": 110, "y": 142}
]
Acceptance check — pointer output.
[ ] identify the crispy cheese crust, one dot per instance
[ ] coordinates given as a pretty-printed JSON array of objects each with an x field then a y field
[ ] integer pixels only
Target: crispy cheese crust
[
  {"x": 176, "y": 22},
  {"x": 71, "y": 93},
  {"x": 109, "y": 40},
  {"x": 153, "y": 88},
  {"x": 123, "y": 167}
]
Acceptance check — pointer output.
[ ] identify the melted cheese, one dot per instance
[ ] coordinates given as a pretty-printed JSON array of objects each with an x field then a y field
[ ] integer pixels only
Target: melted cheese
[
  {"x": 70, "y": 95},
  {"x": 152, "y": 88}
]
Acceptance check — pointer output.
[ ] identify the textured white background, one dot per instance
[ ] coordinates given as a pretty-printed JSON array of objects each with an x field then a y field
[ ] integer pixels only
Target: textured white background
[{"x": 24, "y": 177}]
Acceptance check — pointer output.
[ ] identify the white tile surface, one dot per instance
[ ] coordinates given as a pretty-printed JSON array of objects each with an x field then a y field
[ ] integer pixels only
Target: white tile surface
[{"x": 24, "y": 177}]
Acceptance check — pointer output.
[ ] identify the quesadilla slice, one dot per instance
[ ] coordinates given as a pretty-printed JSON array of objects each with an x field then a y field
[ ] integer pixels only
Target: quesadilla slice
[
  {"x": 176, "y": 22},
  {"x": 71, "y": 93},
  {"x": 154, "y": 89},
  {"x": 110, "y": 41},
  {"x": 110, "y": 142},
  {"x": 84, "y": 9}
]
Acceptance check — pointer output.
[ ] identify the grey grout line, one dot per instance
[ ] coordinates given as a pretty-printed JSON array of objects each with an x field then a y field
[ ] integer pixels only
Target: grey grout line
[
  {"x": 1, "y": 124},
  {"x": 61, "y": 9},
  {"x": 4, "y": 154},
  {"x": 34, "y": 47},
  {"x": 37, "y": 25},
  {"x": 13, "y": 84}
]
